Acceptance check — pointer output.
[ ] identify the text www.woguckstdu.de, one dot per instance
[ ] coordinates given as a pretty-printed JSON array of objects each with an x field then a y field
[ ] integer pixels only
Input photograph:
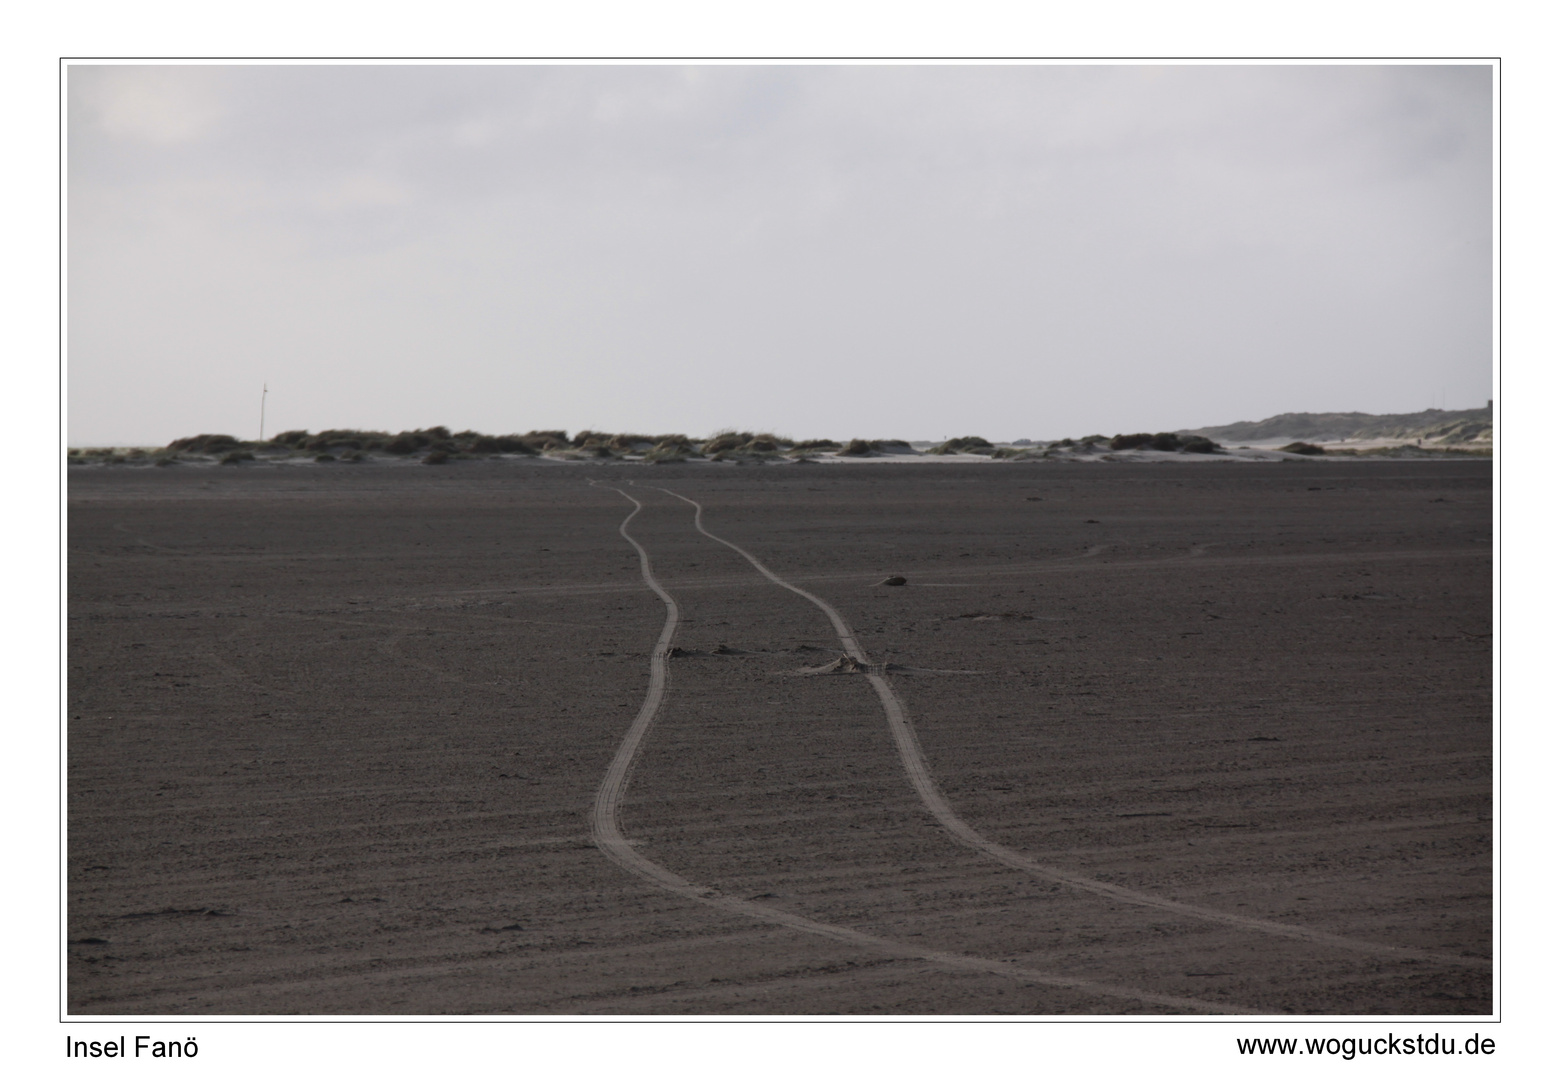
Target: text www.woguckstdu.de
[{"x": 1368, "y": 1046}]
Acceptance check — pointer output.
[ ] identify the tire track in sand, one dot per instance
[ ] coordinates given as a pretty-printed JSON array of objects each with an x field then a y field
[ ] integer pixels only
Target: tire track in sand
[
  {"x": 608, "y": 836},
  {"x": 915, "y": 766}
]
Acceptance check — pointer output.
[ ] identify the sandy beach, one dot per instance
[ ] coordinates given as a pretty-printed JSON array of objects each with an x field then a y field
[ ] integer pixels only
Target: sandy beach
[{"x": 1216, "y": 740}]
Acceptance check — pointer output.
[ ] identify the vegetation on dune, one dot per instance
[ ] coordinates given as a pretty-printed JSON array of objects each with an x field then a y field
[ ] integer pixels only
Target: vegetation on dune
[
  {"x": 469, "y": 443},
  {"x": 621, "y": 442},
  {"x": 543, "y": 441},
  {"x": 349, "y": 441},
  {"x": 205, "y": 444},
  {"x": 1143, "y": 440},
  {"x": 1459, "y": 426},
  {"x": 1440, "y": 432},
  {"x": 1462, "y": 431},
  {"x": 1409, "y": 450},
  {"x": 969, "y": 444},
  {"x": 335, "y": 444},
  {"x": 743, "y": 443},
  {"x": 438, "y": 446},
  {"x": 671, "y": 448},
  {"x": 725, "y": 440},
  {"x": 867, "y": 447},
  {"x": 1166, "y": 441},
  {"x": 106, "y": 455}
]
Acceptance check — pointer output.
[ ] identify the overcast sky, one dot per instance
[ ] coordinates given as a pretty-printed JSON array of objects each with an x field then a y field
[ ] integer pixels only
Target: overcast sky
[{"x": 877, "y": 251}]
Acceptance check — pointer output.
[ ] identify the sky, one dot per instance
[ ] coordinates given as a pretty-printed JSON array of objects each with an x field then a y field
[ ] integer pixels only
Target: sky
[{"x": 879, "y": 251}]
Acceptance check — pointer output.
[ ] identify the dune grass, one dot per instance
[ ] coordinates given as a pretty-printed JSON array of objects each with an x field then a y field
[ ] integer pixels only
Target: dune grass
[
  {"x": 438, "y": 445},
  {"x": 1165, "y": 441},
  {"x": 969, "y": 444}
]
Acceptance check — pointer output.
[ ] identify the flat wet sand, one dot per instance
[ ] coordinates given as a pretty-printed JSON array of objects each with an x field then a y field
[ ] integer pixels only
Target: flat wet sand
[{"x": 335, "y": 736}]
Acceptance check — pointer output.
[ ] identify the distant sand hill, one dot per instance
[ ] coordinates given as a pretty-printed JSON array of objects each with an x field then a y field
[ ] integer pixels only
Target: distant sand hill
[{"x": 1437, "y": 425}]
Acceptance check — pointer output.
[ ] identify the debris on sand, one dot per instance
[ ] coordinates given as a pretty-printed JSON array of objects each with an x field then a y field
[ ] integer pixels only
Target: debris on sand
[
  {"x": 849, "y": 665},
  {"x": 177, "y": 911},
  {"x": 895, "y": 580},
  {"x": 845, "y": 665},
  {"x": 677, "y": 652}
]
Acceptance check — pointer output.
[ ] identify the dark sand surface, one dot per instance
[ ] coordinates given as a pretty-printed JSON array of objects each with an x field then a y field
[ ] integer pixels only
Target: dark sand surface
[{"x": 335, "y": 733}]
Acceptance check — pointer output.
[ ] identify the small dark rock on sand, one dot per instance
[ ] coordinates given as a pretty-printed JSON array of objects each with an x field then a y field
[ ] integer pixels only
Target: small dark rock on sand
[{"x": 893, "y": 581}]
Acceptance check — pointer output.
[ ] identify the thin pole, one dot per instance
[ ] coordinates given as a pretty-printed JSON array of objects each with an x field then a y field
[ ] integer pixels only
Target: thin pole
[{"x": 263, "y": 389}]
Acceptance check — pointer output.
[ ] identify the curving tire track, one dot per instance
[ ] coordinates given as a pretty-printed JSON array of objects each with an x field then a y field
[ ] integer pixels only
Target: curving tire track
[
  {"x": 608, "y": 836},
  {"x": 916, "y": 768}
]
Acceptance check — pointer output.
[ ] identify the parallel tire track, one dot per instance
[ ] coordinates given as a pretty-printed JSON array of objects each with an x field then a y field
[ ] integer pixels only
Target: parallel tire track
[
  {"x": 915, "y": 766},
  {"x": 608, "y": 836}
]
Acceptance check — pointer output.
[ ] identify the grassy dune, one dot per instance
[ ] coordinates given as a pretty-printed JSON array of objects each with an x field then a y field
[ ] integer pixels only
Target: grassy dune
[{"x": 1452, "y": 434}]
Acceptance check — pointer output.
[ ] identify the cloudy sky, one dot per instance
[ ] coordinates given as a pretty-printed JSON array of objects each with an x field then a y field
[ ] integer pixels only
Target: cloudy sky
[{"x": 879, "y": 251}]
